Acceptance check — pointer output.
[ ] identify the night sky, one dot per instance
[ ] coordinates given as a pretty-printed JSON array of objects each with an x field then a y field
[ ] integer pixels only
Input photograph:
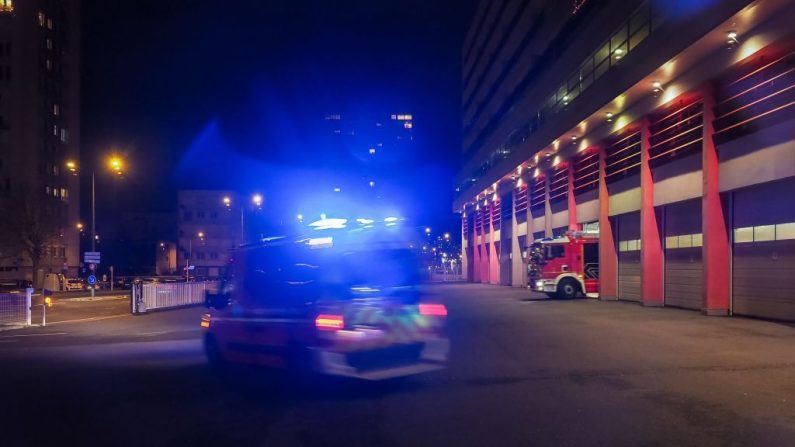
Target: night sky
[{"x": 178, "y": 85}]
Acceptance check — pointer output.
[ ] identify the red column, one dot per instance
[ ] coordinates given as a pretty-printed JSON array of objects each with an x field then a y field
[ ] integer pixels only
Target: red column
[
  {"x": 715, "y": 251},
  {"x": 572, "y": 202},
  {"x": 608, "y": 258},
  {"x": 651, "y": 250},
  {"x": 476, "y": 246},
  {"x": 484, "y": 246}
]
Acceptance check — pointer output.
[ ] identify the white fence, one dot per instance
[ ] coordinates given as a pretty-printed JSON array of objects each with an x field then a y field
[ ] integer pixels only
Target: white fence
[
  {"x": 153, "y": 296},
  {"x": 15, "y": 308}
]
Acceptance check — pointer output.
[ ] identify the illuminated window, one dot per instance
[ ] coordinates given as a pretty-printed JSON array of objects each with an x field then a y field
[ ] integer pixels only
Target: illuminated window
[
  {"x": 64, "y": 135},
  {"x": 765, "y": 233},
  {"x": 49, "y": 23},
  {"x": 56, "y": 110},
  {"x": 48, "y": 64},
  {"x": 42, "y": 19},
  {"x": 744, "y": 235},
  {"x": 408, "y": 125},
  {"x": 785, "y": 231},
  {"x": 64, "y": 193},
  {"x": 49, "y": 43},
  {"x": 6, "y": 6}
]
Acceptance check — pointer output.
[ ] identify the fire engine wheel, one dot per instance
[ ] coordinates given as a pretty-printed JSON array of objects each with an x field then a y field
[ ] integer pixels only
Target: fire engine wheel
[{"x": 568, "y": 289}]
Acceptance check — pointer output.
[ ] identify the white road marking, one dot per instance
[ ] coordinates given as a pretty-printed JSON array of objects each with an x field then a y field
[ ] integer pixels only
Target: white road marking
[
  {"x": 80, "y": 320},
  {"x": 32, "y": 335}
]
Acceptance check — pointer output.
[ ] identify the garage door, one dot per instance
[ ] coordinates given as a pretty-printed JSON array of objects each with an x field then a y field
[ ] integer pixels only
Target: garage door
[
  {"x": 764, "y": 251},
  {"x": 629, "y": 256},
  {"x": 683, "y": 266}
]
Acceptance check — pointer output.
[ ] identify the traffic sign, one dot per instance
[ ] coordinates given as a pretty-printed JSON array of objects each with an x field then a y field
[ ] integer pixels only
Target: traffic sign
[
  {"x": 92, "y": 267},
  {"x": 91, "y": 257},
  {"x": 92, "y": 280}
]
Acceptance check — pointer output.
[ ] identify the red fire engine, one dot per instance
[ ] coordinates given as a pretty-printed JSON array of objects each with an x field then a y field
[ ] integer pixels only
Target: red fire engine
[{"x": 566, "y": 266}]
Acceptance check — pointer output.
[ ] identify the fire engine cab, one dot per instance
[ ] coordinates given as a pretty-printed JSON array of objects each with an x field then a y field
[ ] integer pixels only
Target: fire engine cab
[{"x": 566, "y": 266}]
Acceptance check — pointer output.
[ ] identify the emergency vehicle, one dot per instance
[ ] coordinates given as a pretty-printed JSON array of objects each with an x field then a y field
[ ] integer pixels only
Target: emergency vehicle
[
  {"x": 343, "y": 300},
  {"x": 565, "y": 266}
]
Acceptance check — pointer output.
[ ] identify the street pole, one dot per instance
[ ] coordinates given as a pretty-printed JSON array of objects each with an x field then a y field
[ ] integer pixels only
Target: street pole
[
  {"x": 93, "y": 214},
  {"x": 187, "y": 263},
  {"x": 242, "y": 233}
]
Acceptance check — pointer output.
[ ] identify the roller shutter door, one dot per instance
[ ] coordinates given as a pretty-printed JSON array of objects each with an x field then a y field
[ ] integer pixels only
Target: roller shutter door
[
  {"x": 763, "y": 265},
  {"x": 683, "y": 266},
  {"x": 629, "y": 256}
]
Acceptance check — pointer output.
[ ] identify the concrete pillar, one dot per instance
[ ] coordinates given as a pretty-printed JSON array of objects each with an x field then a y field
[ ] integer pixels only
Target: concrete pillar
[
  {"x": 547, "y": 208},
  {"x": 651, "y": 249},
  {"x": 572, "y": 202},
  {"x": 518, "y": 278},
  {"x": 608, "y": 257},
  {"x": 466, "y": 214},
  {"x": 716, "y": 249},
  {"x": 494, "y": 257}
]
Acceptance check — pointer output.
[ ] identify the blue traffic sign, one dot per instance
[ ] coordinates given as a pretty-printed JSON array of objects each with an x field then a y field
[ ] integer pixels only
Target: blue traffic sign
[{"x": 92, "y": 280}]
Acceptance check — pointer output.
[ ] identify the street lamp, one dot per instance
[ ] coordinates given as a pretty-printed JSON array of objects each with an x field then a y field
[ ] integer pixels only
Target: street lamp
[
  {"x": 427, "y": 230},
  {"x": 116, "y": 165},
  {"x": 227, "y": 201}
]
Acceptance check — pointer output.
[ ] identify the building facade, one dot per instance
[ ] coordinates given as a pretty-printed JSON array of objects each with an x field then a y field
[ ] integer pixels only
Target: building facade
[
  {"x": 667, "y": 125},
  {"x": 39, "y": 136},
  {"x": 209, "y": 224}
]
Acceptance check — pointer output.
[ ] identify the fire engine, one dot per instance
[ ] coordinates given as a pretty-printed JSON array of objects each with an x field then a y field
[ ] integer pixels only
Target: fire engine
[{"x": 565, "y": 266}]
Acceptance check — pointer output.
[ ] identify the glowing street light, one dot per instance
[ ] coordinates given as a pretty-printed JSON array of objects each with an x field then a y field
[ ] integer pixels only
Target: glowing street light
[
  {"x": 427, "y": 230},
  {"x": 71, "y": 166},
  {"x": 200, "y": 234},
  {"x": 257, "y": 200},
  {"x": 227, "y": 201},
  {"x": 116, "y": 164},
  {"x": 447, "y": 236}
]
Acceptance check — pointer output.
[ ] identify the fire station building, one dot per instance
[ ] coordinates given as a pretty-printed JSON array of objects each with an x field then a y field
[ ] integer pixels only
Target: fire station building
[{"x": 668, "y": 125}]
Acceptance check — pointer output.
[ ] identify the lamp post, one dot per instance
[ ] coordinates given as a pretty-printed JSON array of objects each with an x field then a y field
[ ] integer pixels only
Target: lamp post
[
  {"x": 189, "y": 261},
  {"x": 116, "y": 165},
  {"x": 256, "y": 199}
]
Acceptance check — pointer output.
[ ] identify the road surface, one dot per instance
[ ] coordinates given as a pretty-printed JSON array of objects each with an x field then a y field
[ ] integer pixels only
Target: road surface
[{"x": 522, "y": 372}]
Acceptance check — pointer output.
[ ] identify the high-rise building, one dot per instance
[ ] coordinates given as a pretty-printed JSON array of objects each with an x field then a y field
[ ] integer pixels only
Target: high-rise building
[
  {"x": 666, "y": 125},
  {"x": 39, "y": 136}
]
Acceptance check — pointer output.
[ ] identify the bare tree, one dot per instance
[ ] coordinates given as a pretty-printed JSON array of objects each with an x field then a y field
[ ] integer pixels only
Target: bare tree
[{"x": 28, "y": 225}]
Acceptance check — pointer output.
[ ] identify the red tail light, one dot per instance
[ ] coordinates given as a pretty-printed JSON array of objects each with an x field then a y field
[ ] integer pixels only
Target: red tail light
[
  {"x": 433, "y": 310},
  {"x": 329, "y": 322}
]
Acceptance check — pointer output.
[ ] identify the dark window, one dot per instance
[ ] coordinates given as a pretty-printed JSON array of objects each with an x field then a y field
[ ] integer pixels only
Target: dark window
[
  {"x": 555, "y": 251},
  {"x": 187, "y": 215},
  {"x": 200, "y": 214}
]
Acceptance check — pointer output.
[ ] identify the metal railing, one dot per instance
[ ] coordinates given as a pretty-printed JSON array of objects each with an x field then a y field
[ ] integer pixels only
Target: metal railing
[
  {"x": 15, "y": 308},
  {"x": 156, "y": 296}
]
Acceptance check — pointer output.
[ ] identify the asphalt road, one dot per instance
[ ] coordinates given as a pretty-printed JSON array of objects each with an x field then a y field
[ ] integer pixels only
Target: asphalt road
[{"x": 522, "y": 372}]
